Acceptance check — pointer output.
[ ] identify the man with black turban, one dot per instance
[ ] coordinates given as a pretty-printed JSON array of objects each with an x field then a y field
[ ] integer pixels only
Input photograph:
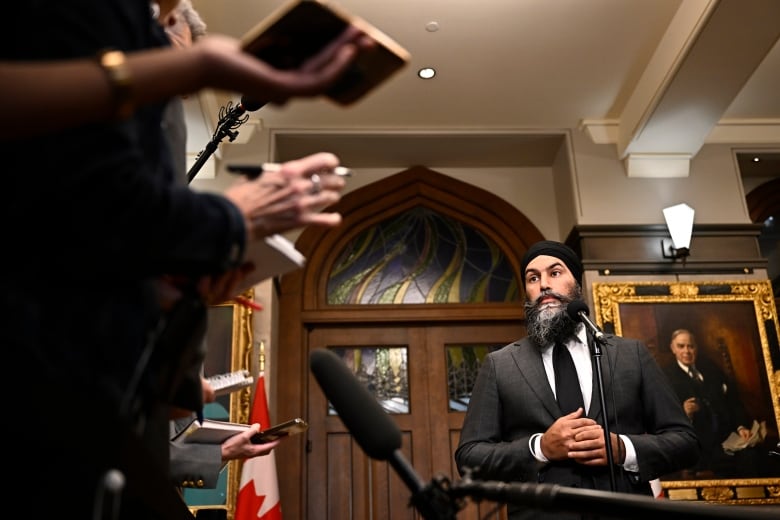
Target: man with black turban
[{"x": 534, "y": 413}]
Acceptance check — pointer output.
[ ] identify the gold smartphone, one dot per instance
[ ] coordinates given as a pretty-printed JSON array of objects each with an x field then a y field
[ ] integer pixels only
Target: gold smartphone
[{"x": 281, "y": 430}]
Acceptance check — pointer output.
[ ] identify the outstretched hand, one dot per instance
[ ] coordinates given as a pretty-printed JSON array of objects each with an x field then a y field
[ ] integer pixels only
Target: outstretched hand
[
  {"x": 241, "y": 447},
  {"x": 228, "y": 67},
  {"x": 290, "y": 197}
]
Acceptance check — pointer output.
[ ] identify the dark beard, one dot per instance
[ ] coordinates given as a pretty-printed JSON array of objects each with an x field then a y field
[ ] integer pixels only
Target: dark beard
[{"x": 546, "y": 326}]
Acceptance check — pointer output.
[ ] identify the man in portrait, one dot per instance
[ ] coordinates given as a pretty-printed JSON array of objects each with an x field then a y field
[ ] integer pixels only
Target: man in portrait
[{"x": 711, "y": 402}]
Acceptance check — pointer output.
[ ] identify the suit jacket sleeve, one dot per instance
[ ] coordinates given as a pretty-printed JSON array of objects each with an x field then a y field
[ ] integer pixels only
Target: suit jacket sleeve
[
  {"x": 498, "y": 450},
  {"x": 194, "y": 465}
]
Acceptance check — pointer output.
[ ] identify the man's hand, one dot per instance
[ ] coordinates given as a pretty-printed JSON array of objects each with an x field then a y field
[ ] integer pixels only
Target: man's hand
[
  {"x": 691, "y": 407},
  {"x": 557, "y": 441},
  {"x": 590, "y": 449},
  {"x": 580, "y": 439}
]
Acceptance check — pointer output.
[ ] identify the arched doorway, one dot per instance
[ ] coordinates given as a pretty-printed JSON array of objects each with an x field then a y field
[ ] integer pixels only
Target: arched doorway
[{"x": 324, "y": 474}]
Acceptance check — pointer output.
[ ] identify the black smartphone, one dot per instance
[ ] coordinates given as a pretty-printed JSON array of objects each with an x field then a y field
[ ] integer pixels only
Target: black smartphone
[{"x": 284, "y": 429}]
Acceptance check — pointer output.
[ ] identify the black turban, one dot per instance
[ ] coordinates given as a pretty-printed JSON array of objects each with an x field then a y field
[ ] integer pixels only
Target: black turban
[{"x": 559, "y": 251}]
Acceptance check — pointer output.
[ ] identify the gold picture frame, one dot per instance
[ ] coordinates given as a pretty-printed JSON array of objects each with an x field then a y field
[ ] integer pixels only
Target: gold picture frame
[
  {"x": 736, "y": 323},
  {"x": 229, "y": 339}
]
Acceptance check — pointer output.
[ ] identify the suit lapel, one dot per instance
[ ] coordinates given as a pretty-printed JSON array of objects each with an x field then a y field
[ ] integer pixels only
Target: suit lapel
[
  {"x": 608, "y": 360},
  {"x": 529, "y": 362}
]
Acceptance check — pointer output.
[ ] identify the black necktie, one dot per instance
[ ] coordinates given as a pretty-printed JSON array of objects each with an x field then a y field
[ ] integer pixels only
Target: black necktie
[
  {"x": 567, "y": 385},
  {"x": 695, "y": 374}
]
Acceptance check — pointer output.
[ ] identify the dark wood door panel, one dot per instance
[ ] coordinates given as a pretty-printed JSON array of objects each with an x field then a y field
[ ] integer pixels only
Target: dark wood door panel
[
  {"x": 446, "y": 424},
  {"x": 342, "y": 480}
]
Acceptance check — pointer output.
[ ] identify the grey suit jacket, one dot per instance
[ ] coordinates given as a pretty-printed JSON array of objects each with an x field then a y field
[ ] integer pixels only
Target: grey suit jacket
[
  {"x": 512, "y": 400},
  {"x": 194, "y": 465}
]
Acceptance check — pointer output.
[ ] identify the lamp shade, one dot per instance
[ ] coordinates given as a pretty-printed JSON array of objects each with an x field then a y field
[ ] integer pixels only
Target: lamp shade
[{"x": 679, "y": 220}]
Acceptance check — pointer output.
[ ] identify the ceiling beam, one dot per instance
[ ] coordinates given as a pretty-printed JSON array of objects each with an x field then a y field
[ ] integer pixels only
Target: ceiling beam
[{"x": 709, "y": 52}]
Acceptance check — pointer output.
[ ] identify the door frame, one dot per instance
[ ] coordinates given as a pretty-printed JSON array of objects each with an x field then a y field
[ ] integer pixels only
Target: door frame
[{"x": 302, "y": 293}]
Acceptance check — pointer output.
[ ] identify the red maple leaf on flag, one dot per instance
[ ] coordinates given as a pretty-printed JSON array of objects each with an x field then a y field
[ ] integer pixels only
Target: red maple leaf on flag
[{"x": 258, "y": 496}]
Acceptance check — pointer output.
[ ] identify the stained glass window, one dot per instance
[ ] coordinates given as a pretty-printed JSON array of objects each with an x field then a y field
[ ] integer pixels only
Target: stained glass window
[
  {"x": 419, "y": 257},
  {"x": 383, "y": 370},
  {"x": 463, "y": 362}
]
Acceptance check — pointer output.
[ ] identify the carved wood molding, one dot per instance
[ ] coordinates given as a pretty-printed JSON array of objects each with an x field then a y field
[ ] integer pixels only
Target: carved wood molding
[{"x": 715, "y": 248}]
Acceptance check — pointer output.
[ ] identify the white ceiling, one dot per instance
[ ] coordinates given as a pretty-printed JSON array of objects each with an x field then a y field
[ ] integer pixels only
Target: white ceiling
[{"x": 656, "y": 78}]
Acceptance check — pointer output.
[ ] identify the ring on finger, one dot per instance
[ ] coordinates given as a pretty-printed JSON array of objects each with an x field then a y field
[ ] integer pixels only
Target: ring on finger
[{"x": 316, "y": 184}]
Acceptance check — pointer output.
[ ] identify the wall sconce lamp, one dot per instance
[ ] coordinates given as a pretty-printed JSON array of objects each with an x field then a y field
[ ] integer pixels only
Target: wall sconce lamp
[{"x": 679, "y": 220}]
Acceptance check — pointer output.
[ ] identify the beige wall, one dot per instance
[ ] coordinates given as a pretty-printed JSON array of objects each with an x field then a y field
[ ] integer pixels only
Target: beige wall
[
  {"x": 586, "y": 185},
  {"x": 713, "y": 188}
]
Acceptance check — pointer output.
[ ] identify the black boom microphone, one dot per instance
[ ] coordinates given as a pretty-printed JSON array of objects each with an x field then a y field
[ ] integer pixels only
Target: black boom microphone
[
  {"x": 237, "y": 115},
  {"x": 578, "y": 311},
  {"x": 374, "y": 430},
  {"x": 250, "y": 105}
]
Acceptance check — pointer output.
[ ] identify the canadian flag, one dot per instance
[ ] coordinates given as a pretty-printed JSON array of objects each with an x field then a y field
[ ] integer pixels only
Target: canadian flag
[
  {"x": 258, "y": 494},
  {"x": 658, "y": 490}
]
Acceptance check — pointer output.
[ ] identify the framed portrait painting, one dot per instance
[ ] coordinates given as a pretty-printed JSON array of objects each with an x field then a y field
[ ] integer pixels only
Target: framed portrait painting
[
  {"x": 728, "y": 333},
  {"x": 228, "y": 349}
]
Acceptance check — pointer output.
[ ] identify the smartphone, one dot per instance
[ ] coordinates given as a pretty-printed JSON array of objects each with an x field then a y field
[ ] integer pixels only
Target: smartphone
[
  {"x": 284, "y": 429},
  {"x": 299, "y": 29}
]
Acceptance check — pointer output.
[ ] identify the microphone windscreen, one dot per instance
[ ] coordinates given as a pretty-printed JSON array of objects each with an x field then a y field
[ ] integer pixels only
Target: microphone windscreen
[
  {"x": 360, "y": 412},
  {"x": 575, "y": 307},
  {"x": 250, "y": 105}
]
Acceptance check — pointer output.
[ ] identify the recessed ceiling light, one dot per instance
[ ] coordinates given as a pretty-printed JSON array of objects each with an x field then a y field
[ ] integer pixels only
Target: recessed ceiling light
[
  {"x": 426, "y": 73},
  {"x": 432, "y": 26},
  {"x": 756, "y": 159}
]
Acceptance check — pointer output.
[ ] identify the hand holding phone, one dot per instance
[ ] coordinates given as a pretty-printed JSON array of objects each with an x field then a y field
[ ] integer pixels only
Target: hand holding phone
[
  {"x": 281, "y": 430},
  {"x": 299, "y": 29}
]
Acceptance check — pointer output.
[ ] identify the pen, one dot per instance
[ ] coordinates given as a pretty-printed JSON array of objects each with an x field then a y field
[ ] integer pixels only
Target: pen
[
  {"x": 253, "y": 171},
  {"x": 246, "y": 302}
]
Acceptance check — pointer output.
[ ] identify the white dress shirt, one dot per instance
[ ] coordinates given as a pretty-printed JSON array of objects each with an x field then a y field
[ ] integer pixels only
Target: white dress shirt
[{"x": 583, "y": 362}]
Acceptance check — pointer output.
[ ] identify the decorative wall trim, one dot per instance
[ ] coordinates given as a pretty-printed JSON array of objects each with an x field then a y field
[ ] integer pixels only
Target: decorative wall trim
[{"x": 715, "y": 248}]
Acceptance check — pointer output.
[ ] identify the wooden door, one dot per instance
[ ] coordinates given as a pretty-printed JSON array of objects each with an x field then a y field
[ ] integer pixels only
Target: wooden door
[
  {"x": 325, "y": 474},
  {"x": 343, "y": 483}
]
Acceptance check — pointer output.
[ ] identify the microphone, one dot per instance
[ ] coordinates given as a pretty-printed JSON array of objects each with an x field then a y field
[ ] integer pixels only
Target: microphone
[
  {"x": 578, "y": 311},
  {"x": 229, "y": 121},
  {"x": 236, "y": 116},
  {"x": 374, "y": 430},
  {"x": 250, "y": 105}
]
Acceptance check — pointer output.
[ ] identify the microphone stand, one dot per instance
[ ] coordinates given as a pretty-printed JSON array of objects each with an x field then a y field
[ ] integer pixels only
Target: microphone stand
[
  {"x": 433, "y": 501},
  {"x": 595, "y": 350},
  {"x": 441, "y": 499},
  {"x": 554, "y": 497},
  {"x": 230, "y": 118}
]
